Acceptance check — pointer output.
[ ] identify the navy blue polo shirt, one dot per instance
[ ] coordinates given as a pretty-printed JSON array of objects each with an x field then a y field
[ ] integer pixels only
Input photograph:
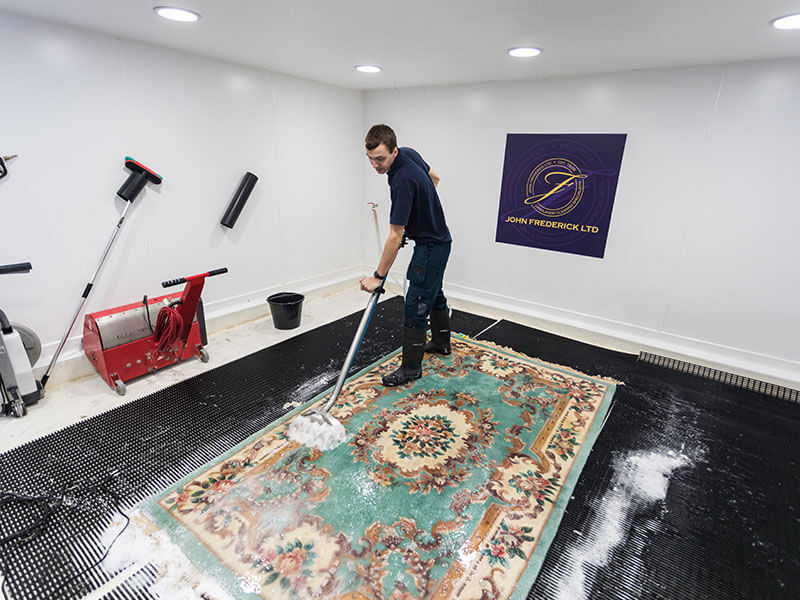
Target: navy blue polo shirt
[{"x": 415, "y": 203}]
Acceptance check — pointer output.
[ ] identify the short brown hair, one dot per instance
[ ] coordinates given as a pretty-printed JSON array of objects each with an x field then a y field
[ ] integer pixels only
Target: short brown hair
[{"x": 381, "y": 134}]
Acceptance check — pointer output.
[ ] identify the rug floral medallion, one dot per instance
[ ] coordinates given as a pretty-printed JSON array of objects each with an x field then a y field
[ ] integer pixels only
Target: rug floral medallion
[{"x": 449, "y": 487}]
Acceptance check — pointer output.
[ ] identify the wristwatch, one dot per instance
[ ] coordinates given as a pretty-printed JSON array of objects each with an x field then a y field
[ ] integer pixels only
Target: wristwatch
[{"x": 377, "y": 275}]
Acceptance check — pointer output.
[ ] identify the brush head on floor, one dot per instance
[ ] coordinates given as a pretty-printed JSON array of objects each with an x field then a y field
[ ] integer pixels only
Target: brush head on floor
[{"x": 317, "y": 429}]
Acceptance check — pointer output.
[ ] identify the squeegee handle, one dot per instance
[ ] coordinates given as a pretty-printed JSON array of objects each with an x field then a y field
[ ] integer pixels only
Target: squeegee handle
[
  {"x": 354, "y": 346},
  {"x": 373, "y": 301},
  {"x": 180, "y": 280},
  {"x": 15, "y": 268},
  {"x": 85, "y": 295}
]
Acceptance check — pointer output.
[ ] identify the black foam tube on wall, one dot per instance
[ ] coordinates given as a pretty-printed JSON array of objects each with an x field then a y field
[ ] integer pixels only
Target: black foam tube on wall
[{"x": 239, "y": 199}]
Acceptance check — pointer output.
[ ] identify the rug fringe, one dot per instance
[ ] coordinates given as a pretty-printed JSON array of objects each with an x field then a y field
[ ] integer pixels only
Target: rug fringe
[{"x": 508, "y": 350}]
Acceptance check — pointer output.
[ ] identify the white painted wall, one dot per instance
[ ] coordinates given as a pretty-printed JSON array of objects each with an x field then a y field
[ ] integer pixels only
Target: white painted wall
[
  {"x": 700, "y": 257},
  {"x": 73, "y": 104},
  {"x": 702, "y": 253}
]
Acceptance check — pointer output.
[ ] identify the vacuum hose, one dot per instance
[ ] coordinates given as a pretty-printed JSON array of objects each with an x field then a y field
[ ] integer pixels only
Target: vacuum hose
[{"x": 168, "y": 328}]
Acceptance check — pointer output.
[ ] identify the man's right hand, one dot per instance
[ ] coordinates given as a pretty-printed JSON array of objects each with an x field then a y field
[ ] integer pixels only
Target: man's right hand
[{"x": 370, "y": 284}]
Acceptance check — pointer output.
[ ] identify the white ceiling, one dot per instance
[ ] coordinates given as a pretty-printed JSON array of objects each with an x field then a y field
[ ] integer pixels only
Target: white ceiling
[{"x": 436, "y": 42}]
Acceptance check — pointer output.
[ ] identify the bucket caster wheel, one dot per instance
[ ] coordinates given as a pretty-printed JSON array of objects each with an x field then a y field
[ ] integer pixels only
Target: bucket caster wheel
[
  {"x": 203, "y": 355},
  {"x": 119, "y": 386}
]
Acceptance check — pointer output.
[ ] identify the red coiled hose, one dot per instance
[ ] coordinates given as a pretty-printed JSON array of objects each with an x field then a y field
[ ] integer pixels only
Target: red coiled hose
[{"x": 168, "y": 327}]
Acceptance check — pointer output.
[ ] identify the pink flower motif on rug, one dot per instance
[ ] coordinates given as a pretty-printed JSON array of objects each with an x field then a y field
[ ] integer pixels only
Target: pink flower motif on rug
[{"x": 426, "y": 441}]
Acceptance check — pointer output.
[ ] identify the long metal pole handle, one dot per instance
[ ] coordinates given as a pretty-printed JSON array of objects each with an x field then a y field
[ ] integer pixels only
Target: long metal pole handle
[
  {"x": 348, "y": 361},
  {"x": 85, "y": 294},
  {"x": 374, "y": 206}
]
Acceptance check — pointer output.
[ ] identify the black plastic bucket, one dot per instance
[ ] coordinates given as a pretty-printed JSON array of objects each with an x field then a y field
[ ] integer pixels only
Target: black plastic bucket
[{"x": 286, "y": 308}]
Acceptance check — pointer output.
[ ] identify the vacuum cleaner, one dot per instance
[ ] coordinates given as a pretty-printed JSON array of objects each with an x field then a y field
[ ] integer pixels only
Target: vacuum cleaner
[
  {"x": 19, "y": 350},
  {"x": 122, "y": 343}
]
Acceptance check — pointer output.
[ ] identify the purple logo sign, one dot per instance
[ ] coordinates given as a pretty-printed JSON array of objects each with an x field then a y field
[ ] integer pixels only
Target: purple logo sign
[{"x": 558, "y": 191}]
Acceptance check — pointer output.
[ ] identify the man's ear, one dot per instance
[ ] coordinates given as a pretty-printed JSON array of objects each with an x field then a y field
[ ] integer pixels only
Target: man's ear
[{"x": 395, "y": 151}]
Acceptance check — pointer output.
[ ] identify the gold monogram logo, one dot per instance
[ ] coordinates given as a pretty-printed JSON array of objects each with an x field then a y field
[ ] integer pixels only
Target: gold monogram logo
[{"x": 555, "y": 187}]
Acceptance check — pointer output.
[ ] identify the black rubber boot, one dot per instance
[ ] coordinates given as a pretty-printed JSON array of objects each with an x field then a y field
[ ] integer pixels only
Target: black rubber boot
[
  {"x": 411, "y": 368},
  {"x": 440, "y": 332}
]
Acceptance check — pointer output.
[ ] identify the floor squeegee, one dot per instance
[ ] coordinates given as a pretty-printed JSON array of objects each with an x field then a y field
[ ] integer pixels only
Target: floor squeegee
[
  {"x": 317, "y": 427},
  {"x": 135, "y": 183}
]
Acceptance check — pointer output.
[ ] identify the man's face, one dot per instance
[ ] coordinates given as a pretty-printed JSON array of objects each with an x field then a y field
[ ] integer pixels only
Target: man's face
[{"x": 380, "y": 158}]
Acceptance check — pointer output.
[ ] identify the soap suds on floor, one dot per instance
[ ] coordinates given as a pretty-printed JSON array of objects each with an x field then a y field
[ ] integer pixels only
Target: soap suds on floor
[
  {"x": 640, "y": 480},
  {"x": 310, "y": 387},
  {"x": 141, "y": 544}
]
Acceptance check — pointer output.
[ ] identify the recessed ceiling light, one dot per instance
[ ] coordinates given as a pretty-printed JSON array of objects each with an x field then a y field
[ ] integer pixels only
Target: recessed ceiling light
[
  {"x": 176, "y": 14},
  {"x": 525, "y": 52},
  {"x": 368, "y": 68},
  {"x": 790, "y": 22}
]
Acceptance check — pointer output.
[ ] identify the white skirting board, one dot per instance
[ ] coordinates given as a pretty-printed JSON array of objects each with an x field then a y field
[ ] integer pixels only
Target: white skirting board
[
  {"x": 623, "y": 337},
  {"x": 630, "y": 338}
]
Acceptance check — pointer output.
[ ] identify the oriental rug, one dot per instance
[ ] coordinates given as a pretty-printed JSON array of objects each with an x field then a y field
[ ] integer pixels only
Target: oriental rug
[{"x": 450, "y": 487}]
